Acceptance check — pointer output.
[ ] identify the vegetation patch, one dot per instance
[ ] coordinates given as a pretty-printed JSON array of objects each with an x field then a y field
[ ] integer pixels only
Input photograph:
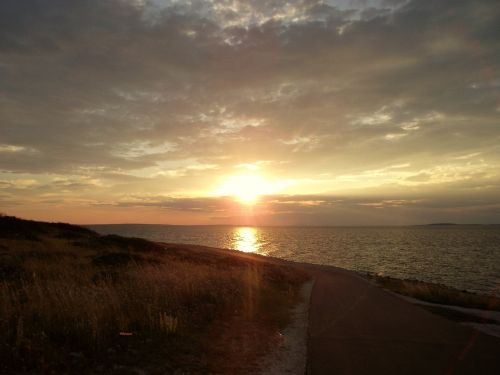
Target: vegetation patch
[
  {"x": 436, "y": 293},
  {"x": 123, "y": 305},
  {"x": 117, "y": 259}
]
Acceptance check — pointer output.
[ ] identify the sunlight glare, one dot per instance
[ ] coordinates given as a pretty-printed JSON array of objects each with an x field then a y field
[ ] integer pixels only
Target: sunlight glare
[
  {"x": 246, "y": 188},
  {"x": 245, "y": 239}
]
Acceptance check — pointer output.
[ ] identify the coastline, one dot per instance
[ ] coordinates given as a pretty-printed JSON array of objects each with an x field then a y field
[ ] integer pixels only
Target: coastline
[
  {"x": 439, "y": 254},
  {"x": 475, "y": 322},
  {"x": 271, "y": 322}
]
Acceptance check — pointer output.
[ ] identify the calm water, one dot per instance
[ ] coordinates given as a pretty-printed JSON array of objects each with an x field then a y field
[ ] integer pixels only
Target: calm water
[{"x": 464, "y": 257}]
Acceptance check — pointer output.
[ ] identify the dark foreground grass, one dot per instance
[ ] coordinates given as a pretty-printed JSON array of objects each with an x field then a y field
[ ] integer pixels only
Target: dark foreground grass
[{"x": 72, "y": 301}]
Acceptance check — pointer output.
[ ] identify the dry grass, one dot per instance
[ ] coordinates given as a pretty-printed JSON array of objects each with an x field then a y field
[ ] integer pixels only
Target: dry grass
[
  {"x": 437, "y": 293},
  {"x": 72, "y": 301}
]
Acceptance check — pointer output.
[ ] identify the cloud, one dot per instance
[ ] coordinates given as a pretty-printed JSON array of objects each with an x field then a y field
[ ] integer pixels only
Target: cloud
[{"x": 133, "y": 92}]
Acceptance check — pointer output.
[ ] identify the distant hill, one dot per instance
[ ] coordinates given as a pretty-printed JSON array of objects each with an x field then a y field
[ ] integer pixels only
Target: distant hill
[
  {"x": 449, "y": 224},
  {"x": 441, "y": 224}
]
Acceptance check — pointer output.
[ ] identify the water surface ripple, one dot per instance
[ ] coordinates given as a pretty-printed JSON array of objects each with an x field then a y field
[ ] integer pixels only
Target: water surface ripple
[{"x": 464, "y": 257}]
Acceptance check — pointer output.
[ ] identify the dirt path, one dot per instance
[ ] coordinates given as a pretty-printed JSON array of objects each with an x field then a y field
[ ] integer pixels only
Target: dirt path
[{"x": 357, "y": 328}]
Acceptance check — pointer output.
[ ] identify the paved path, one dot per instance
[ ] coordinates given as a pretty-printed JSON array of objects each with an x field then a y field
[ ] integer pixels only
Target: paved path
[{"x": 357, "y": 328}]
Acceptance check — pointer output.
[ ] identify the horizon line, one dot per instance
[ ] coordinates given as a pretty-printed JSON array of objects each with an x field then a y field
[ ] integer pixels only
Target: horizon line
[{"x": 296, "y": 225}]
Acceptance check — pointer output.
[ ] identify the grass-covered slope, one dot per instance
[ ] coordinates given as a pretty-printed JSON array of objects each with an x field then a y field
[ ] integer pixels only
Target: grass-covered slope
[
  {"x": 72, "y": 301},
  {"x": 436, "y": 293}
]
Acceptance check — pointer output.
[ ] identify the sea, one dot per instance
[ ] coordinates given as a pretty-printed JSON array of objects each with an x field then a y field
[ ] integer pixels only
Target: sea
[{"x": 466, "y": 257}]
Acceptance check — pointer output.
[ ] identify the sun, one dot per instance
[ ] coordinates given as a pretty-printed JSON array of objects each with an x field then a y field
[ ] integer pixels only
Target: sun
[{"x": 246, "y": 188}]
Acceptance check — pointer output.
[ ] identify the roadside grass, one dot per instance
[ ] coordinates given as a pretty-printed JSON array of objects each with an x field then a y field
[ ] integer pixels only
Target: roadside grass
[
  {"x": 436, "y": 293},
  {"x": 72, "y": 301}
]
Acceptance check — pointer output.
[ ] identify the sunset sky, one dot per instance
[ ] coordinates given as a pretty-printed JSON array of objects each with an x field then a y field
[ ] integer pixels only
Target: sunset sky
[{"x": 302, "y": 112}]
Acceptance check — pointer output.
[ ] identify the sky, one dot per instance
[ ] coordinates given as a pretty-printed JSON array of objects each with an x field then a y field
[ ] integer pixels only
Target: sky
[{"x": 302, "y": 112}]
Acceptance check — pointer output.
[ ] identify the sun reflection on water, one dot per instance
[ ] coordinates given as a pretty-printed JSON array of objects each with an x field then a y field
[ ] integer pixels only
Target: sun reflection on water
[{"x": 246, "y": 239}]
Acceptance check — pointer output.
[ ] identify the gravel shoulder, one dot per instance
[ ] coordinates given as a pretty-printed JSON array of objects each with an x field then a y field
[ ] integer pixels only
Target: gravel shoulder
[{"x": 290, "y": 356}]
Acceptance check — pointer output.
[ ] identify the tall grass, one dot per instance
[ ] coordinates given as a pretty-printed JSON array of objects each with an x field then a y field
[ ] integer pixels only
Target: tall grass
[
  {"x": 86, "y": 309},
  {"x": 60, "y": 301}
]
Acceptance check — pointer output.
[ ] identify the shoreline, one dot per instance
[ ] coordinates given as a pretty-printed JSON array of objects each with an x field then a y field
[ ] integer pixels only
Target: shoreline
[
  {"x": 259, "y": 320},
  {"x": 454, "y": 305},
  {"x": 491, "y": 301},
  {"x": 452, "y": 299},
  {"x": 441, "y": 263}
]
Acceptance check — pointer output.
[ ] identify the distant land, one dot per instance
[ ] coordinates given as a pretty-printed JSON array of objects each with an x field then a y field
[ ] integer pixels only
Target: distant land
[
  {"x": 446, "y": 224},
  {"x": 433, "y": 224},
  {"x": 91, "y": 226}
]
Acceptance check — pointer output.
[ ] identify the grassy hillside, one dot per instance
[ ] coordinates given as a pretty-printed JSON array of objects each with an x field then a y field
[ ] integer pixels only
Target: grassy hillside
[{"x": 72, "y": 301}]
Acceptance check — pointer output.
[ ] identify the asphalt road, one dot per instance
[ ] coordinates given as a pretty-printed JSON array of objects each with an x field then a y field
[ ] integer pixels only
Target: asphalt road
[{"x": 358, "y": 328}]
